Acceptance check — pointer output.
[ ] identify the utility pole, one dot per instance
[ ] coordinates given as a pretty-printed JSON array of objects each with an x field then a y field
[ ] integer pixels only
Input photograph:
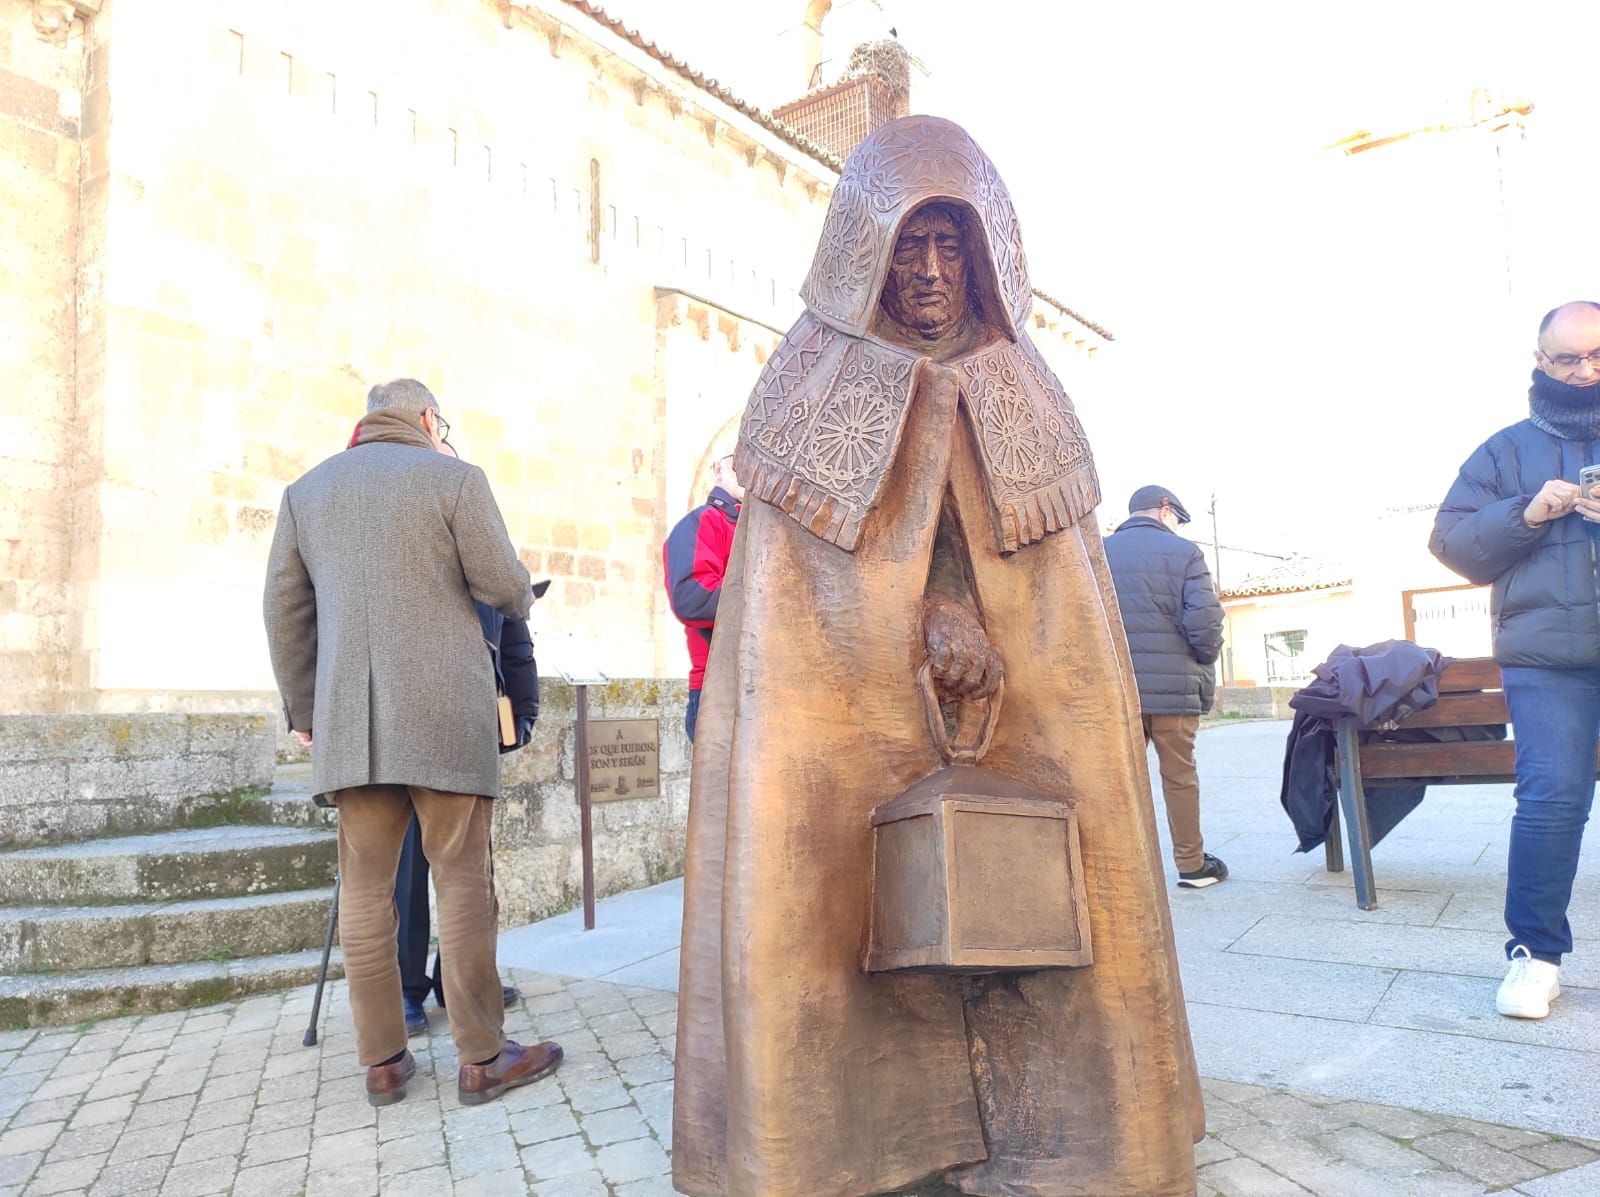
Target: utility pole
[
  {"x": 1216, "y": 546},
  {"x": 1216, "y": 555}
]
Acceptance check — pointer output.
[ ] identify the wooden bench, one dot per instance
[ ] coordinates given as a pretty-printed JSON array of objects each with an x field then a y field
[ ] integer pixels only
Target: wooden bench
[{"x": 1469, "y": 696}]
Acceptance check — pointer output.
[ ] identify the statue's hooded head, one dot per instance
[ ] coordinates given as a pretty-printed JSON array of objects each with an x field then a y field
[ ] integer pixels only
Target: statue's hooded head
[{"x": 919, "y": 187}]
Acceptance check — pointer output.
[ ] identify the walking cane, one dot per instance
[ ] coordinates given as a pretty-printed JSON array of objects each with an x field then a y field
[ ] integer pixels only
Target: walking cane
[{"x": 322, "y": 970}]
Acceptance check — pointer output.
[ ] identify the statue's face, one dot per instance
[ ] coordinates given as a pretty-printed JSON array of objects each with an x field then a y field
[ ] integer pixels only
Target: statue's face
[{"x": 926, "y": 292}]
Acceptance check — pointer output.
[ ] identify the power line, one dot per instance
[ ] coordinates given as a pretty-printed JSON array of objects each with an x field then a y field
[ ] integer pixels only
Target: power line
[{"x": 1229, "y": 548}]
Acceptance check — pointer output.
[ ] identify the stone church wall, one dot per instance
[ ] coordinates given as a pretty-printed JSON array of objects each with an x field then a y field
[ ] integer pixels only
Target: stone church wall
[
  {"x": 226, "y": 219},
  {"x": 304, "y": 199},
  {"x": 42, "y": 81}
]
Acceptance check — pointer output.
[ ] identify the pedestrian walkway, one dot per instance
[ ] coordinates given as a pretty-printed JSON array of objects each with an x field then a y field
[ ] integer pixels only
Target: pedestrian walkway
[
  {"x": 226, "y": 1100},
  {"x": 1287, "y": 981},
  {"x": 1346, "y": 1053}
]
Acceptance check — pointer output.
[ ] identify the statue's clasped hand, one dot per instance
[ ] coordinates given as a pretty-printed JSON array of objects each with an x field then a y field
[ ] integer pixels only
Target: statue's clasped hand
[{"x": 965, "y": 664}]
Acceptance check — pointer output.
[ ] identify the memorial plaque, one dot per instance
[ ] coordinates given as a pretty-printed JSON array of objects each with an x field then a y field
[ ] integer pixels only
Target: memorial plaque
[{"x": 624, "y": 759}]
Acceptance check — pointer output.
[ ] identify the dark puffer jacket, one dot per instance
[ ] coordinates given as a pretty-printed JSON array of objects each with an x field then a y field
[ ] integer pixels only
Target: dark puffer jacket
[
  {"x": 1171, "y": 613},
  {"x": 1543, "y": 602}
]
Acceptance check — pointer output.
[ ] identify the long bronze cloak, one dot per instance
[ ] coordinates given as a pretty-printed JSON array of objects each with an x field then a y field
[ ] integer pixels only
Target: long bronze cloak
[{"x": 798, "y": 1073}]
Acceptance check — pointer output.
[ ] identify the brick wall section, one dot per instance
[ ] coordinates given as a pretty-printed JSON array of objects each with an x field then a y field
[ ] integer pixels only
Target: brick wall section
[
  {"x": 1255, "y": 702},
  {"x": 841, "y": 116},
  {"x": 637, "y": 841}
]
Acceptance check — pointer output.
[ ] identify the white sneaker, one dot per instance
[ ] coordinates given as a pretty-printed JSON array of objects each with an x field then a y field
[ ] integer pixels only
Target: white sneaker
[{"x": 1530, "y": 986}]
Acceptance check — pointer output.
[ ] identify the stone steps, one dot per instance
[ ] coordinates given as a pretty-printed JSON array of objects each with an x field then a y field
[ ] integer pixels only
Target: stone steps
[
  {"x": 154, "y": 861},
  {"x": 76, "y": 776},
  {"x": 35, "y": 939},
  {"x": 223, "y": 861},
  {"x": 287, "y": 804},
  {"x": 42, "y": 999},
  {"x": 143, "y": 923}
]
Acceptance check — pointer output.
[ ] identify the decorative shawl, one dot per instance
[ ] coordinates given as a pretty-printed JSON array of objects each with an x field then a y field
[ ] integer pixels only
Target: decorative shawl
[{"x": 823, "y": 424}]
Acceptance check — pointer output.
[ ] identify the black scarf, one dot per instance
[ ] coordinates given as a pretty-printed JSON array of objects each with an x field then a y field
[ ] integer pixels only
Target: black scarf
[{"x": 1569, "y": 412}]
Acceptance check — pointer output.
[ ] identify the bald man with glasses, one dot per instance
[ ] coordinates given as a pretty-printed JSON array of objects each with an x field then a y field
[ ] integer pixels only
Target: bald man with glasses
[{"x": 1517, "y": 519}]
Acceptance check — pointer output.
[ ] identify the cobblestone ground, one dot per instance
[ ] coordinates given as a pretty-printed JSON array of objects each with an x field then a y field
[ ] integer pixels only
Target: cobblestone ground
[{"x": 226, "y": 1100}]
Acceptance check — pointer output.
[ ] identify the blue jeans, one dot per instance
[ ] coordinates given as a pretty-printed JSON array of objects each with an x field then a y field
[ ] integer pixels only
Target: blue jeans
[
  {"x": 411, "y": 906},
  {"x": 1556, "y": 714},
  {"x": 691, "y": 713}
]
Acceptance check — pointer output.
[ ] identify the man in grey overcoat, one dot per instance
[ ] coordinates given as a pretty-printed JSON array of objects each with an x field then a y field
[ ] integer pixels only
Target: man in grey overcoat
[{"x": 379, "y": 554}]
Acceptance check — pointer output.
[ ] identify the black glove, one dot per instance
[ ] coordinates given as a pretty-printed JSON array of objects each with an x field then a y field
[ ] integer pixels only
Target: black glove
[{"x": 524, "y": 730}]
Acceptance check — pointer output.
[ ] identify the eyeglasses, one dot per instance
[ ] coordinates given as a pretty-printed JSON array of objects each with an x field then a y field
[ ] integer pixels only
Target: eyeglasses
[
  {"x": 1571, "y": 361},
  {"x": 442, "y": 424}
]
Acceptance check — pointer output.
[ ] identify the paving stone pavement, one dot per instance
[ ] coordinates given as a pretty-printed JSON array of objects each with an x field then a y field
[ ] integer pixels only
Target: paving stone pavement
[{"x": 226, "y": 1100}]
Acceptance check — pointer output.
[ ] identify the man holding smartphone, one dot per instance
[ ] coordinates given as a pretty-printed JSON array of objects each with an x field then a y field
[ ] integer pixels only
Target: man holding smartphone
[{"x": 1507, "y": 522}]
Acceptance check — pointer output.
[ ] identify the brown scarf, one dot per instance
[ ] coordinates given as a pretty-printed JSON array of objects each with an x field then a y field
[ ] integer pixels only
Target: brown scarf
[{"x": 391, "y": 428}]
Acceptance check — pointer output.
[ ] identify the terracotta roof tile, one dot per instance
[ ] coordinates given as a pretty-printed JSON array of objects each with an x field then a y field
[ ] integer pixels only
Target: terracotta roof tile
[
  {"x": 673, "y": 63},
  {"x": 1083, "y": 320},
  {"x": 761, "y": 117},
  {"x": 1294, "y": 575}
]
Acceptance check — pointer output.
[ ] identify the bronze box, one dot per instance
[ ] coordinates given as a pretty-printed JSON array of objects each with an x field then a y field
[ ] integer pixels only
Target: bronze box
[{"x": 974, "y": 872}]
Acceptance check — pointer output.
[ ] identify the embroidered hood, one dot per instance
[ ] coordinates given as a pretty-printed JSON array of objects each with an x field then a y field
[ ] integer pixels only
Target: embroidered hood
[
  {"x": 824, "y": 422},
  {"x": 900, "y": 167}
]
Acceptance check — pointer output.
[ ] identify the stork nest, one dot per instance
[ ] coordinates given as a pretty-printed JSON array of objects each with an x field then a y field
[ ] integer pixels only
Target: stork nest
[{"x": 887, "y": 59}]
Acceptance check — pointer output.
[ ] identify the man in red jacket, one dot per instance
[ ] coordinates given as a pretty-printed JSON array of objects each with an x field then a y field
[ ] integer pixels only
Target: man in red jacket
[{"x": 695, "y": 557}]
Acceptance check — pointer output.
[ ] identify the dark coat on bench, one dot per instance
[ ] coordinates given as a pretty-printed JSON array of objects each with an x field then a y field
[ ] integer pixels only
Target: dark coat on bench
[
  {"x": 1375, "y": 684},
  {"x": 1543, "y": 603}
]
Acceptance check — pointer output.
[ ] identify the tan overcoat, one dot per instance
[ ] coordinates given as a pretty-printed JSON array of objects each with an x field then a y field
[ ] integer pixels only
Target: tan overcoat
[
  {"x": 378, "y": 555},
  {"x": 800, "y": 1074}
]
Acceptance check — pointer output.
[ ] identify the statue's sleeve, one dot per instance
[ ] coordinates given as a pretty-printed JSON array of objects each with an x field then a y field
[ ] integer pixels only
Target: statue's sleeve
[{"x": 950, "y": 572}]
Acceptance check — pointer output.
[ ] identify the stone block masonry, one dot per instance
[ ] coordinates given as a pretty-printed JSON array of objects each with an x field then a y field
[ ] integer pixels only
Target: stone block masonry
[
  {"x": 65, "y": 777},
  {"x": 71, "y": 777},
  {"x": 41, "y": 83},
  {"x": 232, "y": 218},
  {"x": 538, "y": 857},
  {"x": 637, "y": 841},
  {"x": 260, "y": 217}
]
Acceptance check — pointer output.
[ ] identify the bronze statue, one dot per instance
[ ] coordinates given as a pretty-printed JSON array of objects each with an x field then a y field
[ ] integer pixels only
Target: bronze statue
[{"x": 918, "y": 654}]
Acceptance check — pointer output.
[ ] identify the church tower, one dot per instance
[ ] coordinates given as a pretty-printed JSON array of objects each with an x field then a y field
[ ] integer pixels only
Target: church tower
[{"x": 869, "y": 88}]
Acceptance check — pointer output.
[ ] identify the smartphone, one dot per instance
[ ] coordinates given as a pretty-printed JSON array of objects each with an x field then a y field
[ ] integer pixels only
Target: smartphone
[{"x": 1589, "y": 483}]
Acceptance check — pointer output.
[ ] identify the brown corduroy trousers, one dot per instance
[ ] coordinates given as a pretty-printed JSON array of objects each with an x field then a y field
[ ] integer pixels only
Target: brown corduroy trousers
[
  {"x": 1173, "y": 736},
  {"x": 455, "y": 838}
]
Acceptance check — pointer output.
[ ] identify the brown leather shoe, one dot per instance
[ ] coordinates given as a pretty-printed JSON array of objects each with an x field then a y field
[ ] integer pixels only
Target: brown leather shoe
[
  {"x": 386, "y": 1083},
  {"x": 515, "y": 1065}
]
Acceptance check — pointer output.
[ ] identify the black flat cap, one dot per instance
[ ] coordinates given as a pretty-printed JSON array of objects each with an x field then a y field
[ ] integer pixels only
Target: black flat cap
[{"x": 1147, "y": 498}]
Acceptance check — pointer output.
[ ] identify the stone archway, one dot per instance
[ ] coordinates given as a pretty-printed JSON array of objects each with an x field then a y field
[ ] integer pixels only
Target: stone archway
[{"x": 708, "y": 358}]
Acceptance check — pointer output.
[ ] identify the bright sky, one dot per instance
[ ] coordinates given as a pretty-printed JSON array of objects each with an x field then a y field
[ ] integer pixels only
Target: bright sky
[{"x": 1310, "y": 337}]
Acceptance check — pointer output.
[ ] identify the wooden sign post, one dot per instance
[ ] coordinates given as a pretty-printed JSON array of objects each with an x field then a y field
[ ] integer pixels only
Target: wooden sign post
[{"x": 573, "y": 663}]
